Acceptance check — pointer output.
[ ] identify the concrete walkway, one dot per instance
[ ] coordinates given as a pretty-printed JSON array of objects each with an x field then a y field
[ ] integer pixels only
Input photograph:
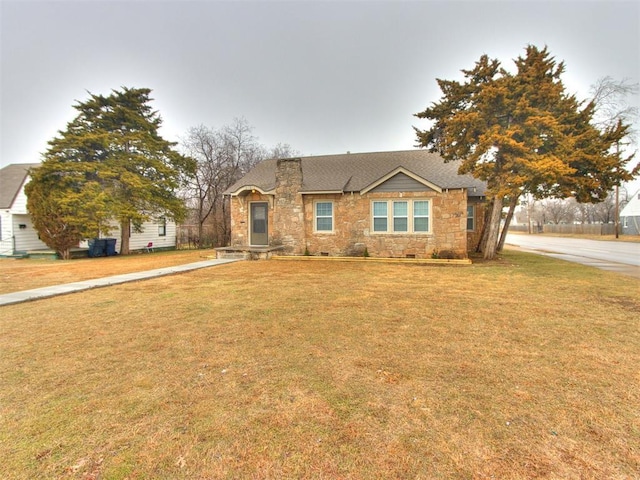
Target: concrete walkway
[{"x": 44, "y": 292}]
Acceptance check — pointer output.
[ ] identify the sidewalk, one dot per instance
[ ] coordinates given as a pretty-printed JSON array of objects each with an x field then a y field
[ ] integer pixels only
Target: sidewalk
[{"x": 44, "y": 292}]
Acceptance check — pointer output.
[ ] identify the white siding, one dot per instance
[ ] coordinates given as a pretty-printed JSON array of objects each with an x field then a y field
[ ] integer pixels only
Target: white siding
[
  {"x": 26, "y": 238},
  {"x": 16, "y": 239},
  {"x": 632, "y": 209},
  {"x": 19, "y": 205},
  {"x": 630, "y": 216},
  {"x": 139, "y": 241},
  {"x": 6, "y": 233},
  {"x": 150, "y": 234}
]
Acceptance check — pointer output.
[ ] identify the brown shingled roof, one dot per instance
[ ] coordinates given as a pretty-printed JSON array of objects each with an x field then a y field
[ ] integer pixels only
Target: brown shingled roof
[
  {"x": 353, "y": 172},
  {"x": 11, "y": 179}
]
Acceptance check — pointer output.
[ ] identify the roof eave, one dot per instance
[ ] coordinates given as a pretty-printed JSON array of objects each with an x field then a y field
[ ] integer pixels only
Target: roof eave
[
  {"x": 321, "y": 192},
  {"x": 251, "y": 188}
]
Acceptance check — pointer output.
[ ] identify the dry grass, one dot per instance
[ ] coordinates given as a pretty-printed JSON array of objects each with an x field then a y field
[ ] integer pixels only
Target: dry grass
[
  {"x": 25, "y": 274},
  {"x": 524, "y": 368}
]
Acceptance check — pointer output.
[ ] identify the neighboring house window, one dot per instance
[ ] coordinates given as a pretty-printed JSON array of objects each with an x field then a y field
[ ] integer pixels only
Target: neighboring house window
[
  {"x": 162, "y": 227},
  {"x": 471, "y": 218},
  {"x": 407, "y": 216},
  {"x": 324, "y": 216}
]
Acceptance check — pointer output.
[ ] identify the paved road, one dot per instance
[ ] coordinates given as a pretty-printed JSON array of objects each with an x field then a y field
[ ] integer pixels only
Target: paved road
[{"x": 623, "y": 257}]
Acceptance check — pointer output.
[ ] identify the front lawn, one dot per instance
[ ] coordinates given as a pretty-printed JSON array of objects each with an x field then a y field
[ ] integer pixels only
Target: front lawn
[
  {"x": 28, "y": 273},
  {"x": 522, "y": 368}
]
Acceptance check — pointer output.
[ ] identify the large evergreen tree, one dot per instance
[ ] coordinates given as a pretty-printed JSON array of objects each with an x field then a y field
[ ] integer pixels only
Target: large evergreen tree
[
  {"x": 113, "y": 159},
  {"x": 64, "y": 207},
  {"x": 522, "y": 133}
]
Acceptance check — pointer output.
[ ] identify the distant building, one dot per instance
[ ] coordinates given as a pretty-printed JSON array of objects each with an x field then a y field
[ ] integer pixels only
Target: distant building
[{"x": 630, "y": 216}]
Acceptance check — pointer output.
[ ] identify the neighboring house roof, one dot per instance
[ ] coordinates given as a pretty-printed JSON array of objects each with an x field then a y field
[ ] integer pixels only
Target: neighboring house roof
[
  {"x": 357, "y": 172},
  {"x": 632, "y": 209},
  {"x": 11, "y": 179}
]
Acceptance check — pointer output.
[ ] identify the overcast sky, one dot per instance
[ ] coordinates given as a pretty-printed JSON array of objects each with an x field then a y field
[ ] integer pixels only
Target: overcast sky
[{"x": 325, "y": 77}]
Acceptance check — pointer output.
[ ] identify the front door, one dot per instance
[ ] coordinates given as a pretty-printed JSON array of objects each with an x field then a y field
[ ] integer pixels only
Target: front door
[{"x": 259, "y": 234}]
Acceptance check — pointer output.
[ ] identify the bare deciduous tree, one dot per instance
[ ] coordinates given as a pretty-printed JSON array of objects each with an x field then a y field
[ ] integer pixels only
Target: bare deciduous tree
[
  {"x": 611, "y": 96},
  {"x": 222, "y": 156},
  {"x": 568, "y": 210},
  {"x": 559, "y": 210}
]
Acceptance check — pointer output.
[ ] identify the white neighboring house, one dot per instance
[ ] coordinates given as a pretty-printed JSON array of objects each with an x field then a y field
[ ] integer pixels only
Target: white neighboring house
[
  {"x": 16, "y": 230},
  {"x": 17, "y": 234},
  {"x": 161, "y": 233},
  {"x": 630, "y": 216}
]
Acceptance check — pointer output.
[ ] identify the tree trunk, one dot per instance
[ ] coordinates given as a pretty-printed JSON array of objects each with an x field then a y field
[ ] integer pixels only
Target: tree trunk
[
  {"x": 493, "y": 229},
  {"x": 483, "y": 233},
  {"x": 125, "y": 234},
  {"x": 512, "y": 207},
  {"x": 200, "y": 232}
]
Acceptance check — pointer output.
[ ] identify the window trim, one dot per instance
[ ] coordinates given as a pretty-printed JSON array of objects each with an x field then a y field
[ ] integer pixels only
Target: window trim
[
  {"x": 390, "y": 216},
  {"x": 316, "y": 216}
]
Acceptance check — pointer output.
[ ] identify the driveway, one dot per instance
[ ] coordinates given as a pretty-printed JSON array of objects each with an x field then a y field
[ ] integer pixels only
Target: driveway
[{"x": 621, "y": 257}]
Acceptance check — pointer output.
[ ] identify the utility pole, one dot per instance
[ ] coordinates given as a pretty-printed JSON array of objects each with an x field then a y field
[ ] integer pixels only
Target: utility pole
[{"x": 616, "y": 221}]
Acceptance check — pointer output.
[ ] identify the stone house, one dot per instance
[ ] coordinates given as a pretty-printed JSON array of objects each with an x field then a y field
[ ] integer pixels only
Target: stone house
[{"x": 403, "y": 204}]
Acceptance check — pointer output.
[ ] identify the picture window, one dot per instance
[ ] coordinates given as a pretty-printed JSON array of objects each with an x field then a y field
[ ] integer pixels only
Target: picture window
[{"x": 401, "y": 216}]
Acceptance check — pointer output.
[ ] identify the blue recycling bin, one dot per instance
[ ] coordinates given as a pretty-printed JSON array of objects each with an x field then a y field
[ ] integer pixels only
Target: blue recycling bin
[
  {"x": 97, "y": 247},
  {"x": 92, "y": 248},
  {"x": 110, "y": 247}
]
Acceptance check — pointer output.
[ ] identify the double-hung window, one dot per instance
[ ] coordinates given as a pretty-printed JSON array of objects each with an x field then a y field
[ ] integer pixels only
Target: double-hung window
[
  {"x": 162, "y": 227},
  {"x": 471, "y": 218},
  {"x": 400, "y": 216},
  {"x": 421, "y": 216},
  {"x": 324, "y": 216},
  {"x": 380, "y": 220}
]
